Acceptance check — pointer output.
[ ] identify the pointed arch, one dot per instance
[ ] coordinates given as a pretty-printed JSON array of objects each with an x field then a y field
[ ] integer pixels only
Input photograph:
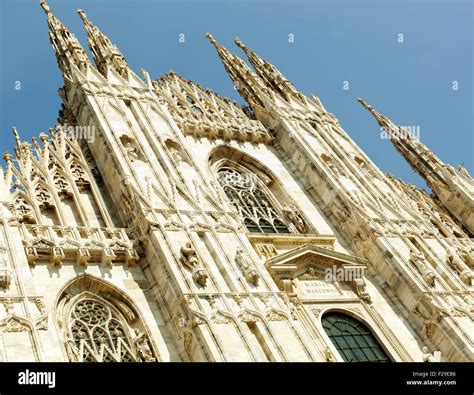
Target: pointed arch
[
  {"x": 44, "y": 195},
  {"x": 40, "y": 172},
  {"x": 79, "y": 174},
  {"x": 252, "y": 200},
  {"x": 256, "y": 193},
  {"x": 62, "y": 183},
  {"x": 70, "y": 206},
  {"x": 100, "y": 323},
  {"x": 249, "y": 315},
  {"x": 17, "y": 339},
  {"x": 258, "y": 331},
  {"x": 15, "y": 323},
  {"x": 46, "y": 201},
  {"x": 25, "y": 209},
  {"x": 88, "y": 195}
]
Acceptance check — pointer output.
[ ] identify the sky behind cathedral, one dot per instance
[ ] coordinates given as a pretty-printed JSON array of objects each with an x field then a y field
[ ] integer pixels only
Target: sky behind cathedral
[{"x": 411, "y": 60}]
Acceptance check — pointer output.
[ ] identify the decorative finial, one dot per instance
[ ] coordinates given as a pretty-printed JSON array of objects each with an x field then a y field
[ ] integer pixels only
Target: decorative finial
[
  {"x": 364, "y": 103},
  {"x": 7, "y": 157},
  {"x": 35, "y": 143},
  {"x": 147, "y": 78},
  {"x": 211, "y": 38},
  {"x": 45, "y": 6},
  {"x": 17, "y": 135},
  {"x": 82, "y": 14},
  {"x": 239, "y": 43},
  {"x": 43, "y": 137}
]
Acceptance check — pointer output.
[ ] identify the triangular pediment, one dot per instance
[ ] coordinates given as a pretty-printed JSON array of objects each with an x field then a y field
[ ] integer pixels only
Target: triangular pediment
[
  {"x": 40, "y": 243},
  {"x": 94, "y": 245},
  {"x": 69, "y": 244},
  {"x": 310, "y": 260},
  {"x": 119, "y": 245}
]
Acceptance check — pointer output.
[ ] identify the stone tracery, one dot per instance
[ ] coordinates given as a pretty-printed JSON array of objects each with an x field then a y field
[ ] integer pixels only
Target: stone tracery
[
  {"x": 247, "y": 194},
  {"x": 99, "y": 327},
  {"x": 95, "y": 327}
]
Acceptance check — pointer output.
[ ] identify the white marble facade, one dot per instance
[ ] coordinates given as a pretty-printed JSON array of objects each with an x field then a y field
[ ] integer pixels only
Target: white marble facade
[{"x": 186, "y": 228}]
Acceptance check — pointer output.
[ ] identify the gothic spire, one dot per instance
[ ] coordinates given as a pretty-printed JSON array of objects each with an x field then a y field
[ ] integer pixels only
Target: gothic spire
[
  {"x": 67, "y": 48},
  {"x": 245, "y": 81},
  {"x": 446, "y": 182},
  {"x": 272, "y": 77},
  {"x": 381, "y": 119},
  {"x": 418, "y": 156},
  {"x": 106, "y": 55}
]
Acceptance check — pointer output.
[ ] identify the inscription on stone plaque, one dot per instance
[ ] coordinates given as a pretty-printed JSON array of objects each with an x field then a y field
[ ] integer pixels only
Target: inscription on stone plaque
[{"x": 315, "y": 288}]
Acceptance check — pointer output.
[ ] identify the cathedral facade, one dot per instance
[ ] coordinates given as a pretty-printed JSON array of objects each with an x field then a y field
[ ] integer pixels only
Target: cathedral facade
[{"x": 180, "y": 226}]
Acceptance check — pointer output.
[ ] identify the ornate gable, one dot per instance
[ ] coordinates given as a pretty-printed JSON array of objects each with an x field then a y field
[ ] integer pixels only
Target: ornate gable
[
  {"x": 316, "y": 272},
  {"x": 201, "y": 112}
]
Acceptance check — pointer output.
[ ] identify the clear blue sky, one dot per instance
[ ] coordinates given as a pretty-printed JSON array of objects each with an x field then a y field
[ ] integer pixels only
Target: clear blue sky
[{"x": 335, "y": 41}]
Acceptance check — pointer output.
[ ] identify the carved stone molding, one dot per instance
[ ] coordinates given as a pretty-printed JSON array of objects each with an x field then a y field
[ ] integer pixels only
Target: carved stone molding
[
  {"x": 14, "y": 323},
  {"x": 80, "y": 252}
]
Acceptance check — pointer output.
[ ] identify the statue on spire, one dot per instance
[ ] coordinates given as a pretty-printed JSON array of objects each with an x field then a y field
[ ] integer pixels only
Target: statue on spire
[
  {"x": 45, "y": 6},
  {"x": 106, "y": 55}
]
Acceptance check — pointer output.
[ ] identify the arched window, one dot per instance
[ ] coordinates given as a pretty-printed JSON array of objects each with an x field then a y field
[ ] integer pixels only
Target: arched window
[
  {"x": 99, "y": 333},
  {"x": 354, "y": 341},
  {"x": 249, "y": 197},
  {"x": 102, "y": 326}
]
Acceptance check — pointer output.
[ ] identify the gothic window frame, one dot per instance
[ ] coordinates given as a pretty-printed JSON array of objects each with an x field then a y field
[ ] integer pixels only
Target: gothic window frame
[
  {"x": 32, "y": 214},
  {"x": 79, "y": 174},
  {"x": 92, "y": 323},
  {"x": 256, "y": 205},
  {"x": 87, "y": 183},
  {"x": 62, "y": 185},
  {"x": 370, "y": 340},
  {"x": 287, "y": 208},
  {"x": 133, "y": 344},
  {"x": 50, "y": 197}
]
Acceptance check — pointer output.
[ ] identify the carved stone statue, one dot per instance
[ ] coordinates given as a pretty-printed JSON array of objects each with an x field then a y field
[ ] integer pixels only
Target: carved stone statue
[
  {"x": 132, "y": 153},
  {"x": 296, "y": 218},
  {"x": 334, "y": 170},
  {"x": 188, "y": 173},
  {"x": 431, "y": 357},
  {"x": 5, "y": 272},
  {"x": 189, "y": 259},
  {"x": 420, "y": 263},
  {"x": 247, "y": 266},
  {"x": 467, "y": 255},
  {"x": 143, "y": 347},
  {"x": 130, "y": 147},
  {"x": 328, "y": 355},
  {"x": 457, "y": 264},
  {"x": 356, "y": 197},
  {"x": 200, "y": 276},
  {"x": 176, "y": 154},
  {"x": 188, "y": 256},
  {"x": 361, "y": 290}
]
